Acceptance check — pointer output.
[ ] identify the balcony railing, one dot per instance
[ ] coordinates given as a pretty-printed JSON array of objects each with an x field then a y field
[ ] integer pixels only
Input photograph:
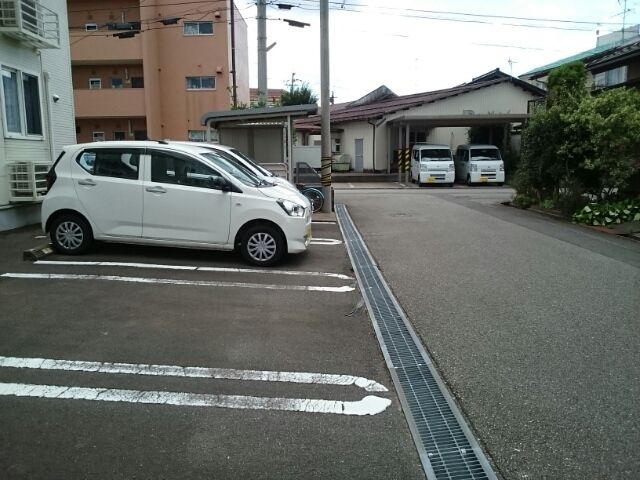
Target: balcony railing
[{"x": 30, "y": 22}]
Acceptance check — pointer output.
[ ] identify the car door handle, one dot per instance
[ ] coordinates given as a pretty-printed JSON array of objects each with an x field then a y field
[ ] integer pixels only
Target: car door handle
[
  {"x": 87, "y": 183},
  {"x": 155, "y": 190}
]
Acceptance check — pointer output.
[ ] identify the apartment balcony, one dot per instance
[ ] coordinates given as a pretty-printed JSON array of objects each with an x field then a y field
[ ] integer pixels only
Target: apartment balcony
[
  {"x": 110, "y": 103},
  {"x": 102, "y": 49},
  {"x": 30, "y": 23}
]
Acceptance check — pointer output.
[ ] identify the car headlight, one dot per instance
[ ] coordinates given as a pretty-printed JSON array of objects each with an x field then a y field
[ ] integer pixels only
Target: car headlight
[
  {"x": 424, "y": 168},
  {"x": 451, "y": 167},
  {"x": 292, "y": 209},
  {"x": 502, "y": 167},
  {"x": 473, "y": 167}
]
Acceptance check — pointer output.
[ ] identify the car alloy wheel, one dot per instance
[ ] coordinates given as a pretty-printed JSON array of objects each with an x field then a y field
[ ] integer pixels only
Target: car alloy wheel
[
  {"x": 69, "y": 235},
  {"x": 261, "y": 247}
]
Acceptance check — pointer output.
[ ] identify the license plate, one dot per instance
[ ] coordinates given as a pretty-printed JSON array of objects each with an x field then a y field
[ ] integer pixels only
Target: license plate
[
  {"x": 430, "y": 179},
  {"x": 484, "y": 179}
]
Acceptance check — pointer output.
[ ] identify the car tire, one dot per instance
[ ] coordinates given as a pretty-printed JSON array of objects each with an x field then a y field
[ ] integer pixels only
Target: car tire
[
  {"x": 469, "y": 180},
  {"x": 500, "y": 184},
  {"x": 70, "y": 234},
  {"x": 262, "y": 245}
]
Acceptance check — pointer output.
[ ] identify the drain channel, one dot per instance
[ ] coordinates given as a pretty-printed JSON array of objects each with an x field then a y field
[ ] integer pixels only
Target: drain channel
[{"x": 445, "y": 444}]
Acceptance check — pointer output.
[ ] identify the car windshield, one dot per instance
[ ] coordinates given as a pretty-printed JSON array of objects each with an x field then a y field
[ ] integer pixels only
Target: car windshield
[
  {"x": 252, "y": 162},
  {"x": 434, "y": 155},
  {"x": 485, "y": 154},
  {"x": 243, "y": 175}
]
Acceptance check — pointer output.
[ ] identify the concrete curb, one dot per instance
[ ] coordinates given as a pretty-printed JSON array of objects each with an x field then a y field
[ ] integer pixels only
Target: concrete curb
[{"x": 37, "y": 253}]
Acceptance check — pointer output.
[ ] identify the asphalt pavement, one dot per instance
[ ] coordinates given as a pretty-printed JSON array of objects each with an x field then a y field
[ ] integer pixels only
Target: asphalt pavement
[
  {"x": 533, "y": 323},
  {"x": 142, "y": 362}
]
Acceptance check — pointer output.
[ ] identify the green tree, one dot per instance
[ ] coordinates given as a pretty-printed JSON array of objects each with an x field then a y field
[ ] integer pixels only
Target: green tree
[
  {"x": 302, "y": 95},
  {"x": 580, "y": 143}
]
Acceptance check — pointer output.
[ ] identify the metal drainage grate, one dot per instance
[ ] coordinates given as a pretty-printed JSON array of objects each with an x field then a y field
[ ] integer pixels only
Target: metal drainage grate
[{"x": 445, "y": 444}]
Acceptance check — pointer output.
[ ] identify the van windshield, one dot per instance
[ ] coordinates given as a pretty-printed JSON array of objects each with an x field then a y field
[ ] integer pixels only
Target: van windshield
[
  {"x": 434, "y": 155},
  {"x": 252, "y": 162},
  {"x": 483, "y": 154},
  {"x": 242, "y": 174}
]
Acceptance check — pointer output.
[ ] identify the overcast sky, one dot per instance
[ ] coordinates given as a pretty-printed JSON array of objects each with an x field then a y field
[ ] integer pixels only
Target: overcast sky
[{"x": 409, "y": 47}]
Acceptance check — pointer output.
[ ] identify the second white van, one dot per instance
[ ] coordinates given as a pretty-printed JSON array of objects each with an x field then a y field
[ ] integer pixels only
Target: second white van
[{"x": 479, "y": 164}]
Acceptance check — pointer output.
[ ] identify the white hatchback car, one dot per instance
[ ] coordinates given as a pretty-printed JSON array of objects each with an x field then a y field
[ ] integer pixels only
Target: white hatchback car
[{"x": 172, "y": 195}]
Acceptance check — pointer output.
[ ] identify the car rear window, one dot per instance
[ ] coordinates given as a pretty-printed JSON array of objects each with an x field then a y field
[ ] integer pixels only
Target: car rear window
[{"x": 103, "y": 162}]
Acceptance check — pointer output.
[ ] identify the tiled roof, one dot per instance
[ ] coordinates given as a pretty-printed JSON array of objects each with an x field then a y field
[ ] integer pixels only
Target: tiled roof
[
  {"x": 589, "y": 57},
  {"x": 377, "y": 110},
  {"x": 632, "y": 49}
]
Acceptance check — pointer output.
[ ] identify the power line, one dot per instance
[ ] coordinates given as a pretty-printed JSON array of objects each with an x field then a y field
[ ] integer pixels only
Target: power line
[{"x": 342, "y": 4}]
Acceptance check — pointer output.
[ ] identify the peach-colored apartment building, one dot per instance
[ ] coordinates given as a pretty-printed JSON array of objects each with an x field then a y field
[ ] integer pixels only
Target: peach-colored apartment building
[{"x": 157, "y": 83}]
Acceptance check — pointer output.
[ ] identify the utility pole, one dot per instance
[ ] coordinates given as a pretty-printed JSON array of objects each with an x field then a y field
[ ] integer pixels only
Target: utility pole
[
  {"x": 262, "y": 51},
  {"x": 234, "y": 85},
  {"x": 293, "y": 81},
  {"x": 325, "y": 105}
]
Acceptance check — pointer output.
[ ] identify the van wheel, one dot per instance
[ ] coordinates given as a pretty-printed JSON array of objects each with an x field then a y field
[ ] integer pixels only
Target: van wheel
[
  {"x": 70, "y": 234},
  {"x": 262, "y": 245},
  {"x": 500, "y": 184},
  {"x": 469, "y": 180}
]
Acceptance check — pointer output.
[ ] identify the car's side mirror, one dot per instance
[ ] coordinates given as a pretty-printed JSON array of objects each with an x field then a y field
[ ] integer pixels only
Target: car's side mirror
[{"x": 220, "y": 183}]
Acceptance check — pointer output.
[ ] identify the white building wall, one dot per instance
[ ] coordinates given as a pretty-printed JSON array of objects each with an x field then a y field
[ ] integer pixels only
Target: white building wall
[
  {"x": 452, "y": 136},
  {"x": 53, "y": 67},
  {"x": 353, "y": 131},
  {"x": 56, "y": 64}
]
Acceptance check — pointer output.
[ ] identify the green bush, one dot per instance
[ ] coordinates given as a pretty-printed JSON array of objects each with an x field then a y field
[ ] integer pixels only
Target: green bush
[
  {"x": 548, "y": 204},
  {"x": 609, "y": 213},
  {"x": 522, "y": 200}
]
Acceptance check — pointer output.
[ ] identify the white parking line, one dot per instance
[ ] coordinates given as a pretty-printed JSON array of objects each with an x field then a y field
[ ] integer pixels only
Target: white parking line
[
  {"x": 194, "y": 268},
  {"x": 191, "y": 372},
  {"x": 325, "y": 241},
  {"x": 324, "y": 222},
  {"x": 168, "y": 281},
  {"x": 369, "y": 405}
]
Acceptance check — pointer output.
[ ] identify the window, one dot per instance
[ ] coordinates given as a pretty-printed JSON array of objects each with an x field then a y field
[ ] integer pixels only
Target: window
[
  {"x": 197, "y": 136},
  {"x": 612, "y": 77},
  {"x": 197, "y": 28},
  {"x": 11, "y": 100},
  {"x": 91, "y": 27},
  {"x": 31, "y": 93},
  {"x": 21, "y": 99},
  {"x": 336, "y": 145},
  {"x": 116, "y": 83},
  {"x": 179, "y": 170},
  {"x": 95, "y": 83},
  {"x": 110, "y": 163},
  {"x": 201, "y": 83},
  {"x": 98, "y": 136},
  {"x": 119, "y": 135}
]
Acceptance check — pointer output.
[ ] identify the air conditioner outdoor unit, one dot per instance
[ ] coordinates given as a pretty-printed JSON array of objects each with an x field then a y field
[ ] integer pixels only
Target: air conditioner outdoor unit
[{"x": 27, "y": 182}]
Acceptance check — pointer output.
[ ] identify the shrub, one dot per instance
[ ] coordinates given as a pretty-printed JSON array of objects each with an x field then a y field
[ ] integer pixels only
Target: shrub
[
  {"x": 609, "y": 213},
  {"x": 522, "y": 200}
]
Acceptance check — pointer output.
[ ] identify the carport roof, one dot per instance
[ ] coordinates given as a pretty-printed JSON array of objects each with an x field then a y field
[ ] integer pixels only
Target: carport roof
[
  {"x": 356, "y": 111},
  {"x": 257, "y": 114}
]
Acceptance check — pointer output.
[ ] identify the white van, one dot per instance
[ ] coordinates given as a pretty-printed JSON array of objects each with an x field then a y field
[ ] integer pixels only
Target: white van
[
  {"x": 171, "y": 195},
  {"x": 432, "y": 164},
  {"x": 479, "y": 164}
]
